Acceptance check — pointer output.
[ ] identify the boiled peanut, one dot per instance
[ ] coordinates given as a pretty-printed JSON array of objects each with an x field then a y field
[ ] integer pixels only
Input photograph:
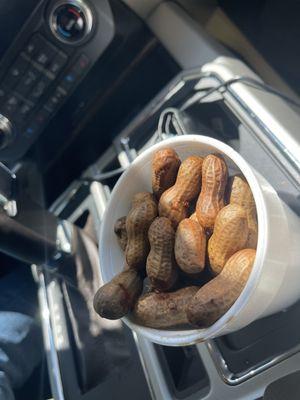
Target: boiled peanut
[
  {"x": 230, "y": 235},
  {"x": 211, "y": 199},
  {"x": 174, "y": 202},
  {"x": 217, "y": 296},
  {"x": 116, "y": 298},
  {"x": 120, "y": 231},
  {"x": 161, "y": 267},
  {"x": 138, "y": 221},
  {"x": 190, "y": 246},
  {"x": 253, "y": 230},
  {"x": 164, "y": 310},
  {"x": 165, "y": 166},
  {"x": 193, "y": 217},
  {"x": 241, "y": 194},
  {"x": 140, "y": 198}
]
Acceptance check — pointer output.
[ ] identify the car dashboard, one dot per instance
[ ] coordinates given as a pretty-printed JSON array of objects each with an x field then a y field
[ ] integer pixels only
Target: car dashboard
[
  {"x": 49, "y": 57},
  {"x": 72, "y": 65}
]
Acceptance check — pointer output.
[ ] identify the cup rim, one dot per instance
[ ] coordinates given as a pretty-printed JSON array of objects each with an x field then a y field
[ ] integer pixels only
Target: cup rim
[{"x": 190, "y": 336}]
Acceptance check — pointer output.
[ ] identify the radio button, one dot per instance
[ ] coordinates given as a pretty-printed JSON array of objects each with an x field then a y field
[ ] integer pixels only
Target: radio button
[
  {"x": 39, "y": 89},
  {"x": 25, "y": 110},
  {"x": 58, "y": 63},
  {"x": 28, "y": 81},
  {"x": 16, "y": 72},
  {"x": 10, "y": 105},
  {"x": 45, "y": 55},
  {"x": 32, "y": 46}
]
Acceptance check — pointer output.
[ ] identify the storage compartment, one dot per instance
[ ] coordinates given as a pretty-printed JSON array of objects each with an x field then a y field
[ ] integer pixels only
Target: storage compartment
[
  {"x": 184, "y": 371},
  {"x": 262, "y": 341}
]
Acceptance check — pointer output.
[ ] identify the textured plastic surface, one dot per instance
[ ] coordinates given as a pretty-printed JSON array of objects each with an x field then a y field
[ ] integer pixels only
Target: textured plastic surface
[{"x": 274, "y": 283}]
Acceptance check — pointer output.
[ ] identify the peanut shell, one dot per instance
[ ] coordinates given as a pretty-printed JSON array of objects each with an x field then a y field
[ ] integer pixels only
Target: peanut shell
[
  {"x": 121, "y": 233},
  {"x": 211, "y": 199},
  {"x": 116, "y": 298},
  {"x": 230, "y": 235},
  {"x": 138, "y": 221},
  {"x": 164, "y": 310},
  {"x": 215, "y": 298},
  {"x": 241, "y": 194},
  {"x": 161, "y": 267},
  {"x": 174, "y": 202},
  {"x": 190, "y": 246},
  {"x": 165, "y": 165}
]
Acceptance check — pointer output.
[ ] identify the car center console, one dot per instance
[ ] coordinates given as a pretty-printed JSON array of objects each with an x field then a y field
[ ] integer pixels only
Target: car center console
[
  {"x": 52, "y": 53},
  {"x": 240, "y": 365}
]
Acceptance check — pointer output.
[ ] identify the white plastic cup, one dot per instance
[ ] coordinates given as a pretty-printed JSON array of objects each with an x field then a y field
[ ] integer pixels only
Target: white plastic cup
[{"x": 274, "y": 282}]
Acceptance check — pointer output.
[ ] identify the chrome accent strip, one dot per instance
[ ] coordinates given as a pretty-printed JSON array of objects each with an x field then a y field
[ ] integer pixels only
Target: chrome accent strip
[
  {"x": 8, "y": 185},
  {"x": 269, "y": 133},
  {"x": 235, "y": 379},
  {"x": 64, "y": 237},
  {"x": 58, "y": 206},
  {"x": 100, "y": 196},
  {"x": 7, "y": 131},
  {"x": 124, "y": 144},
  {"x": 144, "y": 365},
  {"x": 265, "y": 132},
  {"x": 51, "y": 354}
]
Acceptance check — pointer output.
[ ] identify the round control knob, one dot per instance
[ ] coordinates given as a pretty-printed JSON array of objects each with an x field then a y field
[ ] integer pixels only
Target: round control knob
[
  {"x": 6, "y": 132},
  {"x": 71, "y": 21}
]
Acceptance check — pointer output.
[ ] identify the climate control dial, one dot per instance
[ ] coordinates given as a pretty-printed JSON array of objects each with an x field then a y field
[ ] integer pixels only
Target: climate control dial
[{"x": 71, "y": 21}]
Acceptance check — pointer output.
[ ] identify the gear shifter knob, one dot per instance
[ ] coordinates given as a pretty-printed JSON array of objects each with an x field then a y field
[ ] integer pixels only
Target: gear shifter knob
[{"x": 6, "y": 132}]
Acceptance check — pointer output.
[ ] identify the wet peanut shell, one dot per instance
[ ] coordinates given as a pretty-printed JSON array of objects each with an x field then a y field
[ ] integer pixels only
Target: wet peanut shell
[
  {"x": 161, "y": 266},
  {"x": 190, "y": 246},
  {"x": 116, "y": 298},
  {"x": 211, "y": 198},
  {"x": 165, "y": 165},
  {"x": 230, "y": 235},
  {"x": 253, "y": 230},
  {"x": 164, "y": 310},
  {"x": 121, "y": 233},
  {"x": 138, "y": 222},
  {"x": 140, "y": 198},
  {"x": 240, "y": 193},
  {"x": 174, "y": 202},
  {"x": 215, "y": 298},
  {"x": 193, "y": 217}
]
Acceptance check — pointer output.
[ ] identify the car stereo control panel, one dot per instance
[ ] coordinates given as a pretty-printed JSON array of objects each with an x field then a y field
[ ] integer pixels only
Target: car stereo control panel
[{"x": 46, "y": 62}]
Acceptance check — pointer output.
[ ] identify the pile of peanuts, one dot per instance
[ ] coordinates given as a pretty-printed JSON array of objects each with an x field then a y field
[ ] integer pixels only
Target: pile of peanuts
[{"x": 194, "y": 240}]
